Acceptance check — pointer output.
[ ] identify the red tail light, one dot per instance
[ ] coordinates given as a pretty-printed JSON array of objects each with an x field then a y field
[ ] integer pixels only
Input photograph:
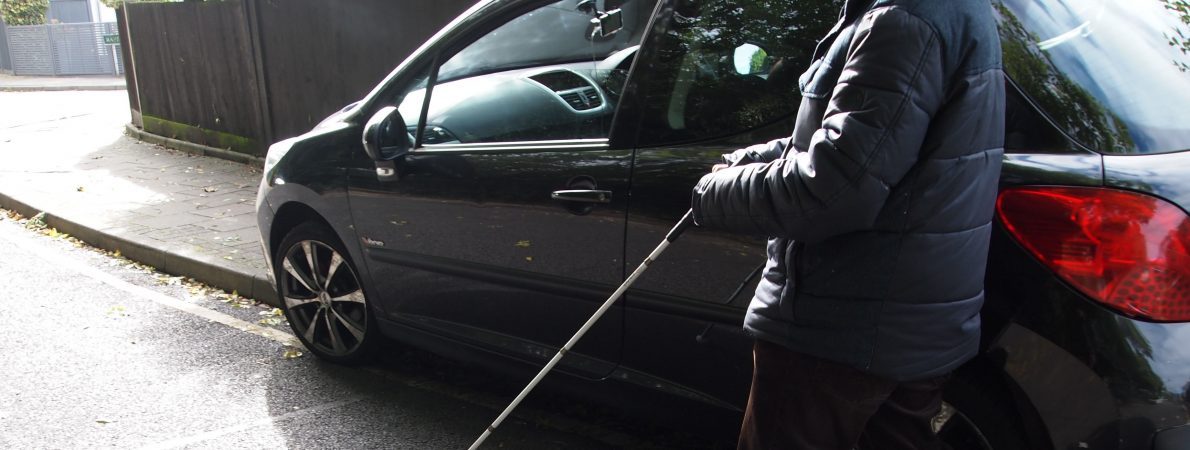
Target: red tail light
[{"x": 1126, "y": 250}]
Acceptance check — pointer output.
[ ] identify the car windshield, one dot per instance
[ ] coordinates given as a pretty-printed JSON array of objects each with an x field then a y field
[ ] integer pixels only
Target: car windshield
[{"x": 1114, "y": 74}]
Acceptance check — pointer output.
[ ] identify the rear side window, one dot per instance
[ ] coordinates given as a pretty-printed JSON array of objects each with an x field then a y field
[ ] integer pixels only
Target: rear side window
[
  {"x": 1112, "y": 74},
  {"x": 719, "y": 67}
]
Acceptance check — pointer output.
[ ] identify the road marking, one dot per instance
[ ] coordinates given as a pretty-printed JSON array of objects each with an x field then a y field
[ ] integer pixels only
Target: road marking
[
  {"x": 156, "y": 297},
  {"x": 189, "y": 440},
  {"x": 43, "y": 121}
]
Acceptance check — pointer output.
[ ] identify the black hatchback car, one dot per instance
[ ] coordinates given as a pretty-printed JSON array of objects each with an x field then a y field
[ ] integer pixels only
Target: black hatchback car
[{"x": 485, "y": 198}]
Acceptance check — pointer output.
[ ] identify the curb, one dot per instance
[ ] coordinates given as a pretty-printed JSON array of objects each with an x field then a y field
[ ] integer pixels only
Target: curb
[
  {"x": 60, "y": 88},
  {"x": 257, "y": 287},
  {"x": 192, "y": 148}
]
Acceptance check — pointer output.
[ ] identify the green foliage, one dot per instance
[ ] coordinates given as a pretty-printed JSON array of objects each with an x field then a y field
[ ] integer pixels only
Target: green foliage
[
  {"x": 1179, "y": 40},
  {"x": 116, "y": 4},
  {"x": 24, "y": 12},
  {"x": 1071, "y": 106},
  {"x": 758, "y": 61}
]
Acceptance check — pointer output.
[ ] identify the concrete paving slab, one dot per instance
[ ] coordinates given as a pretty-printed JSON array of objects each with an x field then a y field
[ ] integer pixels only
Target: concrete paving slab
[{"x": 66, "y": 154}]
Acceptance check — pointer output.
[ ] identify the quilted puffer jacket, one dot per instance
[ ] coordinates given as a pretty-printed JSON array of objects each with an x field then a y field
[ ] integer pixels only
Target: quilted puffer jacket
[{"x": 879, "y": 206}]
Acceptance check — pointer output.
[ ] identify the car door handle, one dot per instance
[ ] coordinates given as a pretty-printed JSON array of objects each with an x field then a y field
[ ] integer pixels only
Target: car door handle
[{"x": 583, "y": 195}]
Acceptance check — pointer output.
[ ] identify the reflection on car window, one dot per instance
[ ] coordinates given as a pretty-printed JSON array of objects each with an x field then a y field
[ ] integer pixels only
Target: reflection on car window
[
  {"x": 1112, "y": 73},
  {"x": 548, "y": 74},
  {"x": 722, "y": 67}
]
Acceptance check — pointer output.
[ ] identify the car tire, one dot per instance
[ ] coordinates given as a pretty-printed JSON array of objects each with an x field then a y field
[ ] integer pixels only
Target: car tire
[
  {"x": 976, "y": 414},
  {"x": 322, "y": 295}
]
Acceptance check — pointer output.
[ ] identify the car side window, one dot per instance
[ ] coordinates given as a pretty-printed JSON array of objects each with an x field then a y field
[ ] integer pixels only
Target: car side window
[
  {"x": 722, "y": 67},
  {"x": 549, "y": 74}
]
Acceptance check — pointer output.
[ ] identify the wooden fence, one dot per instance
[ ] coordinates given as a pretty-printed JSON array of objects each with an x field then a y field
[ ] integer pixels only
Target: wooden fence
[{"x": 240, "y": 74}]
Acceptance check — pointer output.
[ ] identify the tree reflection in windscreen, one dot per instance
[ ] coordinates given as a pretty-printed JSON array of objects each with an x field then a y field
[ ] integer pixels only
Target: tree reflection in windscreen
[{"x": 1109, "y": 72}]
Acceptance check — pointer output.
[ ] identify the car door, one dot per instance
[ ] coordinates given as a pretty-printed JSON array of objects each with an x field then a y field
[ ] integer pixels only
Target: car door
[
  {"x": 504, "y": 227},
  {"x": 721, "y": 75}
]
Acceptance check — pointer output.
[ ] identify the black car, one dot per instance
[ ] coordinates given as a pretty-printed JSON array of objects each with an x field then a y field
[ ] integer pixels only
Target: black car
[{"x": 495, "y": 188}]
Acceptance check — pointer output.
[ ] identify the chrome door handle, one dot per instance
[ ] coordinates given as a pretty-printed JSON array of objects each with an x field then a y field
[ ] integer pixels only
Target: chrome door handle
[{"x": 583, "y": 195}]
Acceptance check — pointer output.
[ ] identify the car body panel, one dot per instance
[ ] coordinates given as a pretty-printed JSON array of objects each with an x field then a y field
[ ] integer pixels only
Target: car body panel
[
  {"x": 467, "y": 253},
  {"x": 467, "y": 241},
  {"x": 1166, "y": 175},
  {"x": 312, "y": 175}
]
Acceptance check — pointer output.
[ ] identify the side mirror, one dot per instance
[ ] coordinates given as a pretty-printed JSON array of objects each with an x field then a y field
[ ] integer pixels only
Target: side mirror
[
  {"x": 751, "y": 60},
  {"x": 385, "y": 135}
]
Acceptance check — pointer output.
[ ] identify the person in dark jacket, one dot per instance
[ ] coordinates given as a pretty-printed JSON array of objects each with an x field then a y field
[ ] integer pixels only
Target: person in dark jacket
[{"x": 878, "y": 210}]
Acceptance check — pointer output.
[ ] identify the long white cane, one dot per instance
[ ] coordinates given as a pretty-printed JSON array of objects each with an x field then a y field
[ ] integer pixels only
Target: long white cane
[{"x": 673, "y": 235}]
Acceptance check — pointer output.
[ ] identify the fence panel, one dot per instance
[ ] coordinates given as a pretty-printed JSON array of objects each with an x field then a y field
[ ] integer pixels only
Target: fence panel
[
  {"x": 79, "y": 49},
  {"x": 319, "y": 56},
  {"x": 240, "y": 74},
  {"x": 195, "y": 72},
  {"x": 63, "y": 49},
  {"x": 129, "y": 69},
  {"x": 32, "y": 51}
]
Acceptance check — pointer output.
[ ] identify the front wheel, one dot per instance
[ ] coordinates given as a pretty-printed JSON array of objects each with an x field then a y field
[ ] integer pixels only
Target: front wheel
[{"x": 322, "y": 296}]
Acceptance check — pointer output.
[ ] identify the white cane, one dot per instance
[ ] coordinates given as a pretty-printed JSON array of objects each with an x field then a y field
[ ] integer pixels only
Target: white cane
[{"x": 677, "y": 230}]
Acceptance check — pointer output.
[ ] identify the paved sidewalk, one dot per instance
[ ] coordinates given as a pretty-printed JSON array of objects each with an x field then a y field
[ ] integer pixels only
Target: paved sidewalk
[
  {"x": 65, "y": 153},
  {"x": 13, "y": 83}
]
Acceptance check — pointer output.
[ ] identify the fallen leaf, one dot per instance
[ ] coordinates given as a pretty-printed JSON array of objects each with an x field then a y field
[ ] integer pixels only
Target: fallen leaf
[
  {"x": 291, "y": 353},
  {"x": 210, "y": 189},
  {"x": 116, "y": 311},
  {"x": 36, "y": 223},
  {"x": 275, "y": 312}
]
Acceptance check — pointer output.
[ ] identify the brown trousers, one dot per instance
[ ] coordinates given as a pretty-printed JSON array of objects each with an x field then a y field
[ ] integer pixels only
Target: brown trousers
[{"x": 802, "y": 402}]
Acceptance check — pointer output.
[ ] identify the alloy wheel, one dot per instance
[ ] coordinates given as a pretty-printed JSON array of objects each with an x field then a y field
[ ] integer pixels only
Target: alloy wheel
[{"x": 323, "y": 299}]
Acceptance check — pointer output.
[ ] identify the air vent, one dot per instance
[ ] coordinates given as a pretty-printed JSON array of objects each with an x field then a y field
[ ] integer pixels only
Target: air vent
[
  {"x": 560, "y": 80},
  {"x": 582, "y": 99}
]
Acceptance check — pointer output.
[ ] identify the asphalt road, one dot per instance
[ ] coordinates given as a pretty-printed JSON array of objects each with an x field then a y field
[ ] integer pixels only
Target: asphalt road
[{"x": 101, "y": 353}]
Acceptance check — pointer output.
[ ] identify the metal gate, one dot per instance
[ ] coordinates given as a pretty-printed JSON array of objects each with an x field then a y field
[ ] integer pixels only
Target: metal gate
[{"x": 64, "y": 49}]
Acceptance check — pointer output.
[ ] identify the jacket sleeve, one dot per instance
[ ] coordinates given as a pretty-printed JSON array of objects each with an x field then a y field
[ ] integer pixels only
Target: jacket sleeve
[
  {"x": 759, "y": 153},
  {"x": 891, "y": 85}
]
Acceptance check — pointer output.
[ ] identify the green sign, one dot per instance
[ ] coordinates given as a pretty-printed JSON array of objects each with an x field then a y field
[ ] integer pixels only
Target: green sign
[{"x": 111, "y": 39}]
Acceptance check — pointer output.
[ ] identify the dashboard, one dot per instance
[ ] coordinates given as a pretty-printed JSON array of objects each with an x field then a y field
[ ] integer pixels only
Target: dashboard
[{"x": 552, "y": 102}]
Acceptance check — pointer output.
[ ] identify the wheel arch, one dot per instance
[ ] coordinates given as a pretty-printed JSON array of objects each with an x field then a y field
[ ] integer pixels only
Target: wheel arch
[
  {"x": 289, "y": 216},
  {"x": 986, "y": 372}
]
